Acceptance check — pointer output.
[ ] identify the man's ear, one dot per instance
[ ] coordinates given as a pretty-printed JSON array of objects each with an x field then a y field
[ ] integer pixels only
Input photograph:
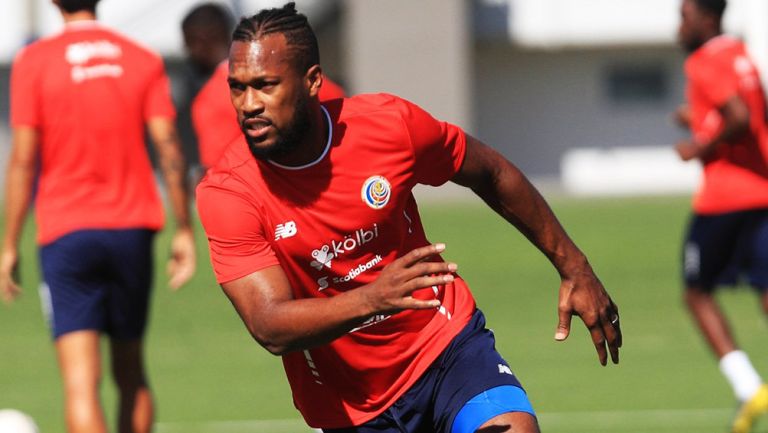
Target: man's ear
[{"x": 314, "y": 79}]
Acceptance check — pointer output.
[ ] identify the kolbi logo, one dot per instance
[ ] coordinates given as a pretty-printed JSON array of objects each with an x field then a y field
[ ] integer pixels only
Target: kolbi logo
[
  {"x": 324, "y": 255},
  {"x": 376, "y": 192}
]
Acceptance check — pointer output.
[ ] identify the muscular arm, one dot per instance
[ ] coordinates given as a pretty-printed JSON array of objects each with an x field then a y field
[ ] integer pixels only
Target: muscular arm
[
  {"x": 735, "y": 115},
  {"x": 181, "y": 265},
  {"x": 18, "y": 194},
  {"x": 283, "y": 324},
  {"x": 506, "y": 190}
]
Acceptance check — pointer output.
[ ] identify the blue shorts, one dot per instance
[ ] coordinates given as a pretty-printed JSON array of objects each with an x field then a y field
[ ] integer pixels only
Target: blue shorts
[
  {"x": 727, "y": 249},
  {"x": 100, "y": 280},
  {"x": 469, "y": 384}
]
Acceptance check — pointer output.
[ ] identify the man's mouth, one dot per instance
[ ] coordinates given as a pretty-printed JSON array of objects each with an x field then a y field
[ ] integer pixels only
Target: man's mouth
[{"x": 256, "y": 128}]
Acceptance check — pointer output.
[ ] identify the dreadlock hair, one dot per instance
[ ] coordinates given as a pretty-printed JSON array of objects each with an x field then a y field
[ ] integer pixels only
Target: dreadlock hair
[
  {"x": 285, "y": 20},
  {"x": 715, "y": 7},
  {"x": 71, "y": 6}
]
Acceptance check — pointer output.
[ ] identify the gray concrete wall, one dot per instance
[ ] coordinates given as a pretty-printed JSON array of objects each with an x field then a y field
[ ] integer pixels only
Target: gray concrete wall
[
  {"x": 535, "y": 105},
  {"x": 420, "y": 50}
]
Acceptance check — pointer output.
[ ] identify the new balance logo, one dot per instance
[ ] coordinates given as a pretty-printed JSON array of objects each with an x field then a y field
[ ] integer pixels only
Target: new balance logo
[
  {"x": 503, "y": 369},
  {"x": 286, "y": 230}
]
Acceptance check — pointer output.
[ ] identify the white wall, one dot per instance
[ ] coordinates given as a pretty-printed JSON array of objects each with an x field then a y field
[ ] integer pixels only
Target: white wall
[{"x": 559, "y": 23}]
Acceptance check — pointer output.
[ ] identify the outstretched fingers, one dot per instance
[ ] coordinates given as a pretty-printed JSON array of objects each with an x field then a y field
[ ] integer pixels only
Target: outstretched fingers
[{"x": 606, "y": 334}]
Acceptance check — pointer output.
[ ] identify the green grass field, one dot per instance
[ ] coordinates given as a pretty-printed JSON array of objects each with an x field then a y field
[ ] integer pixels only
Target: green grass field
[{"x": 209, "y": 376}]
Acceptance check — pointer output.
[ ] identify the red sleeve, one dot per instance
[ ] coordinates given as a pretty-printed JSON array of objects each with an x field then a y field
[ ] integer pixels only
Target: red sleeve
[
  {"x": 716, "y": 79},
  {"x": 236, "y": 237},
  {"x": 158, "y": 102},
  {"x": 25, "y": 97},
  {"x": 438, "y": 147}
]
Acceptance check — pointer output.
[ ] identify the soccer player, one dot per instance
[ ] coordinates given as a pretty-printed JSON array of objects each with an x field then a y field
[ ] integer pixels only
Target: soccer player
[
  {"x": 728, "y": 232},
  {"x": 207, "y": 30},
  {"x": 316, "y": 239},
  {"x": 79, "y": 102}
]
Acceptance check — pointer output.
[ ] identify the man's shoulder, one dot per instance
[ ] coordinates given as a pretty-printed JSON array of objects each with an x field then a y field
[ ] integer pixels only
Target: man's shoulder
[
  {"x": 228, "y": 173},
  {"x": 369, "y": 103},
  {"x": 372, "y": 109},
  {"x": 721, "y": 49},
  {"x": 81, "y": 44}
]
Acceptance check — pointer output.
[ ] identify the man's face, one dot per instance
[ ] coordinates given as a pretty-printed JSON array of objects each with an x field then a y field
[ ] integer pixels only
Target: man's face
[
  {"x": 269, "y": 94},
  {"x": 692, "y": 21}
]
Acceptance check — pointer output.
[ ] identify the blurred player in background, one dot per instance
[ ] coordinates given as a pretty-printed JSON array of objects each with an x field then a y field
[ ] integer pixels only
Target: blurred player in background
[
  {"x": 79, "y": 102},
  {"x": 728, "y": 233},
  {"x": 207, "y": 29},
  {"x": 316, "y": 239}
]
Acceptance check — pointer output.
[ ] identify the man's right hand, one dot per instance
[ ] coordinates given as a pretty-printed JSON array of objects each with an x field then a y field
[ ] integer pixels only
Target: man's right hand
[
  {"x": 391, "y": 292},
  {"x": 9, "y": 290},
  {"x": 682, "y": 116}
]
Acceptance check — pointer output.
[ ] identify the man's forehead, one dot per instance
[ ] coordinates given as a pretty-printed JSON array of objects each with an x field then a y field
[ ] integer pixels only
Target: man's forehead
[{"x": 271, "y": 46}]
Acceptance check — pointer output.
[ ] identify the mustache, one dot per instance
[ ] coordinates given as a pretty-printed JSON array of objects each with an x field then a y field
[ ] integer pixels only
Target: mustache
[{"x": 256, "y": 119}]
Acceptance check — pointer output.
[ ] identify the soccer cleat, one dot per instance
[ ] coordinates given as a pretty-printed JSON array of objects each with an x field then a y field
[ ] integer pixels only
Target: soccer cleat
[{"x": 751, "y": 410}]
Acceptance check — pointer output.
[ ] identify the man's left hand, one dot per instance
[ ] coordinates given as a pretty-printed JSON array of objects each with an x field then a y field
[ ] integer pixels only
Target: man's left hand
[{"x": 585, "y": 296}]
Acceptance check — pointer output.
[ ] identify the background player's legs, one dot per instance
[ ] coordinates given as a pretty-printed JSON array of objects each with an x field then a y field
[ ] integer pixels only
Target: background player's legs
[
  {"x": 512, "y": 422},
  {"x": 710, "y": 320},
  {"x": 713, "y": 255},
  {"x": 80, "y": 364},
  {"x": 734, "y": 364},
  {"x": 136, "y": 410}
]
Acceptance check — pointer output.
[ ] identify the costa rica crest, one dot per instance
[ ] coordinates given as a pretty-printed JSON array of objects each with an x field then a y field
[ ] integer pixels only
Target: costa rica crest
[{"x": 376, "y": 192}]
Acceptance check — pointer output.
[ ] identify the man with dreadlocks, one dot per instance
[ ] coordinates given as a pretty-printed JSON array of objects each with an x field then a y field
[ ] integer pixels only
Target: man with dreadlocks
[
  {"x": 207, "y": 29},
  {"x": 728, "y": 233},
  {"x": 316, "y": 239}
]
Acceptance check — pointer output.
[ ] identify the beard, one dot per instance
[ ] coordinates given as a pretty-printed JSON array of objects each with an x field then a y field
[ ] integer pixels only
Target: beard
[{"x": 288, "y": 137}]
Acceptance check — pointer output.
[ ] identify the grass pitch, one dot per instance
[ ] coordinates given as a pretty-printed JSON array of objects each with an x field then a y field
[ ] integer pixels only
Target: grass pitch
[{"x": 209, "y": 376}]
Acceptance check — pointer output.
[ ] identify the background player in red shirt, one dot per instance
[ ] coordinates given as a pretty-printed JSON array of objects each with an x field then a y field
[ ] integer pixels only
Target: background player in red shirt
[
  {"x": 316, "y": 239},
  {"x": 79, "y": 102},
  {"x": 728, "y": 233}
]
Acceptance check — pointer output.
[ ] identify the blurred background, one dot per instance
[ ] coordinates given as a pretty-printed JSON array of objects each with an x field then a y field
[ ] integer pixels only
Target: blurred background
[
  {"x": 578, "y": 93},
  {"x": 558, "y": 85}
]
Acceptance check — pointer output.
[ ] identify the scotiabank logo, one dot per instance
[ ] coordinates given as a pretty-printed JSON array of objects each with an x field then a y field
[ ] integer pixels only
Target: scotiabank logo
[{"x": 324, "y": 255}]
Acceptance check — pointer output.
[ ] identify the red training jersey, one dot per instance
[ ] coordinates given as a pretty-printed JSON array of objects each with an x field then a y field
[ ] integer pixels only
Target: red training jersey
[
  {"x": 215, "y": 120},
  {"x": 736, "y": 175},
  {"x": 88, "y": 91},
  {"x": 333, "y": 225}
]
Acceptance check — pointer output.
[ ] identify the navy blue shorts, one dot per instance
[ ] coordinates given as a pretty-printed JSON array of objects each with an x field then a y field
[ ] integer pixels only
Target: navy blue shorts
[
  {"x": 469, "y": 384},
  {"x": 100, "y": 280},
  {"x": 727, "y": 249}
]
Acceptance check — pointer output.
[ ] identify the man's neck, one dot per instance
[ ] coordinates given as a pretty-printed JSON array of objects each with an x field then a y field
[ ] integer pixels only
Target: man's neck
[
  {"x": 78, "y": 16},
  {"x": 712, "y": 35},
  {"x": 313, "y": 144}
]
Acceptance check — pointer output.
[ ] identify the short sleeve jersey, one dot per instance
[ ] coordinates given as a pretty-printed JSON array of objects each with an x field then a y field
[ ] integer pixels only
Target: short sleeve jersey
[
  {"x": 736, "y": 176},
  {"x": 88, "y": 92},
  {"x": 215, "y": 120},
  {"x": 333, "y": 225}
]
